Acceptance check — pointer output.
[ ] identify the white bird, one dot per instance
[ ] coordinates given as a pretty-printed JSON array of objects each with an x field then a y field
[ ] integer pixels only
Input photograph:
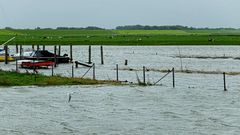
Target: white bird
[{"x": 70, "y": 96}]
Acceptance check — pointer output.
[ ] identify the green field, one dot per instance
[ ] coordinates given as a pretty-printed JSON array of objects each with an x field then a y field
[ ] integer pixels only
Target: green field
[
  {"x": 122, "y": 37},
  {"x": 8, "y": 78}
]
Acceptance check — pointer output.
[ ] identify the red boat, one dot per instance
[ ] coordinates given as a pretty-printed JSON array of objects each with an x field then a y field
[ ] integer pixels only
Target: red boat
[{"x": 37, "y": 64}]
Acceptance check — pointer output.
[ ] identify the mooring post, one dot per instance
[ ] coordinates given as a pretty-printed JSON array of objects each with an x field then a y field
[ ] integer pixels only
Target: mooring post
[
  {"x": 94, "y": 76},
  {"x": 16, "y": 48},
  {"x": 32, "y": 47},
  {"x": 72, "y": 70},
  {"x": 144, "y": 75},
  {"x": 224, "y": 81},
  {"x": 89, "y": 55},
  {"x": 38, "y": 48},
  {"x": 52, "y": 70},
  {"x": 16, "y": 65},
  {"x": 55, "y": 56},
  {"x": 21, "y": 52},
  {"x": 173, "y": 76},
  {"x": 126, "y": 62},
  {"x": 59, "y": 50},
  {"x": 117, "y": 72},
  {"x": 71, "y": 54},
  {"x": 43, "y": 47},
  {"x": 6, "y": 54},
  {"x": 102, "y": 62}
]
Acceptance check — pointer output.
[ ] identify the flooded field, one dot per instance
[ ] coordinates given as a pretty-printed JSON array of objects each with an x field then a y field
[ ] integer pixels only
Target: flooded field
[{"x": 198, "y": 104}]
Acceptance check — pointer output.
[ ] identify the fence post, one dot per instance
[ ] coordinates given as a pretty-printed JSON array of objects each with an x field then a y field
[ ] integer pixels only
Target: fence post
[
  {"x": 94, "y": 75},
  {"x": 16, "y": 48},
  {"x": 224, "y": 81},
  {"x": 21, "y": 52},
  {"x": 52, "y": 70},
  {"x": 72, "y": 70},
  {"x": 102, "y": 62},
  {"x": 55, "y": 56},
  {"x": 89, "y": 55},
  {"x": 6, "y": 54},
  {"x": 59, "y": 50},
  {"x": 16, "y": 65},
  {"x": 71, "y": 54},
  {"x": 144, "y": 75},
  {"x": 173, "y": 76},
  {"x": 117, "y": 72}
]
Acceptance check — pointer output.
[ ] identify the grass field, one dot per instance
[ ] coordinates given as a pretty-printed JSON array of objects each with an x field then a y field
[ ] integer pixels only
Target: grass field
[
  {"x": 122, "y": 37},
  {"x": 8, "y": 78}
]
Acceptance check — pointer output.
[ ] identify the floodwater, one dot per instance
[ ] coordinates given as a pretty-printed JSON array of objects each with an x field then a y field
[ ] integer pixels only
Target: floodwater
[{"x": 197, "y": 105}]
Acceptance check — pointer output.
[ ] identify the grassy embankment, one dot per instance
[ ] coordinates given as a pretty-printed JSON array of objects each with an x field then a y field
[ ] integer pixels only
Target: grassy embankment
[
  {"x": 122, "y": 37},
  {"x": 8, "y": 78}
]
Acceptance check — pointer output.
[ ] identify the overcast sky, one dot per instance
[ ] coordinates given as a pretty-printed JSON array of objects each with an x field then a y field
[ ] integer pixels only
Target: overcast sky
[{"x": 112, "y": 13}]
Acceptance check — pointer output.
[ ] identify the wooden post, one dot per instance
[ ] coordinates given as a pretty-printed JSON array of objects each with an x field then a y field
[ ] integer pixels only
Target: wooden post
[
  {"x": 126, "y": 62},
  {"x": 117, "y": 72},
  {"x": 16, "y": 65},
  {"x": 102, "y": 62},
  {"x": 59, "y": 50},
  {"x": 71, "y": 55},
  {"x": 89, "y": 55},
  {"x": 72, "y": 70},
  {"x": 6, "y": 54},
  {"x": 16, "y": 48},
  {"x": 21, "y": 52},
  {"x": 173, "y": 75},
  {"x": 144, "y": 75},
  {"x": 52, "y": 70},
  {"x": 43, "y": 47},
  {"x": 94, "y": 76},
  {"x": 76, "y": 64},
  {"x": 55, "y": 56},
  {"x": 37, "y": 52},
  {"x": 32, "y": 47},
  {"x": 224, "y": 81}
]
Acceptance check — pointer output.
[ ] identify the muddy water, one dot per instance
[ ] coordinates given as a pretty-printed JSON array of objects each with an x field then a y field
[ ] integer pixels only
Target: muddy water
[
  {"x": 119, "y": 110},
  {"x": 198, "y": 104}
]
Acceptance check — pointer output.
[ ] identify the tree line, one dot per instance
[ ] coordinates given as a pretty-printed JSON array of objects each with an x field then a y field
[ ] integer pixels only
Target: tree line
[{"x": 132, "y": 27}]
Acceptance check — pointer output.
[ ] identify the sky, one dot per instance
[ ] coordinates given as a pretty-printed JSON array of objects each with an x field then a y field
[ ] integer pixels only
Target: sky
[{"x": 112, "y": 13}]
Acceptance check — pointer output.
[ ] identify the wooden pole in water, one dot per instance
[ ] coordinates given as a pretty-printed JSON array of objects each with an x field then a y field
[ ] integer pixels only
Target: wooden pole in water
[
  {"x": 224, "y": 81},
  {"x": 71, "y": 54},
  {"x": 102, "y": 62},
  {"x": 173, "y": 76},
  {"x": 43, "y": 47},
  {"x": 94, "y": 76},
  {"x": 32, "y": 47},
  {"x": 59, "y": 50},
  {"x": 16, "y": 65},
  {"x": 52, "y": 70},
  {"x": 72, "y": 70},
  {"x": 76, "y": 64},
  {"x": 38, "y": 48},
  {"x": 21, "y": 52},
  {"x": 89, "y": 55},
  {"x": 144, "y": 75},
  {"x": 6, "y": 54},
  {"x": 117, "y": 72},
  {"x": 55, "y": 56},
  {"x": 16, "y": 48}
]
